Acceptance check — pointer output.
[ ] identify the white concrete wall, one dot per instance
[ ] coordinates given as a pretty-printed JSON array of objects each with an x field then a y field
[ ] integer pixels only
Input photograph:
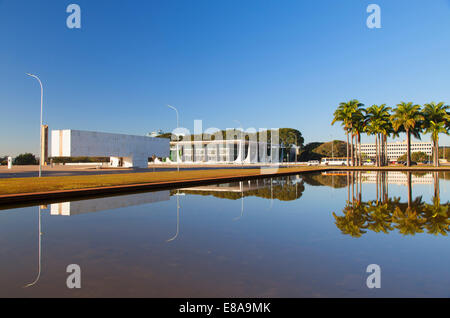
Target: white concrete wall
[{"x": 135, "y": 150}]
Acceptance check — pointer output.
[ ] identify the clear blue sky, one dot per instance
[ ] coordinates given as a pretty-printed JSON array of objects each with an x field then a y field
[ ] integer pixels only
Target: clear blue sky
[{"x": 265, "y": 63}]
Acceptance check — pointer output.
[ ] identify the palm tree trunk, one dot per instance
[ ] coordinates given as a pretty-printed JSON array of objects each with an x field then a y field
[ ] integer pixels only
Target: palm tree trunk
[
  {"x": 408, "y": 148},
  {"x": 381, "y": 150},
  {"x": 359, "y": 152},
  {"x": 347, "y": 147},
  {"x": 351, "y": 154},
  {"x": 386, "y": 145},
  {"x": 376, "y": 149},
  {"x": 437, "y": 152}
]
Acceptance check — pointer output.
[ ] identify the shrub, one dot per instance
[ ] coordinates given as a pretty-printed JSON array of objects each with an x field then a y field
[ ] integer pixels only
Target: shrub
[{"x": 25, "y": 159}]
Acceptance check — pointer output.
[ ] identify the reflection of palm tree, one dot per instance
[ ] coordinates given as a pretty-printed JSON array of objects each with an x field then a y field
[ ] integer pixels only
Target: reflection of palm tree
[
  {"x": 39, "y": 251},
  {"x": 408, "y": 181},
  {"x": 379, "y": 217},
  {"x": 408, "y": 218},
  {"x": 437, "y": 217},
  {"x": 409, "y": 222},
  {"x": 353, "y": 221}
]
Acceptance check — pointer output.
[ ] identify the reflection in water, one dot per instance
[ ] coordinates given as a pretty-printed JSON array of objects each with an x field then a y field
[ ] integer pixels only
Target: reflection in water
[
  {"x": 107, "y": 203},
  {"x": 96, "y": 205},
  {"x": 385, "y": 214},
  {"x": 134, "y": 253},
  {"x": 241, "y": 185},
  {"x": 39, "y": 250},
  {"x": 282, "y": 188},
  {"x": 178, "y": 217}
]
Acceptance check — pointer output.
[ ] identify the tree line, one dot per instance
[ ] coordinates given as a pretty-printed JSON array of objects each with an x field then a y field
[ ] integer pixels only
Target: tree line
[{"x": 383, "y": 121}]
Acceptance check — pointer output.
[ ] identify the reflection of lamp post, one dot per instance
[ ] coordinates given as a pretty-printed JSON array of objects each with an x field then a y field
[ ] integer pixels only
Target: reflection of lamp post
[
  {"x": 178, "y": 217},
  {"x": 40, "y": 128},
  {"x": 241, "y": 187},
  {"x": 39, "y": 252}
]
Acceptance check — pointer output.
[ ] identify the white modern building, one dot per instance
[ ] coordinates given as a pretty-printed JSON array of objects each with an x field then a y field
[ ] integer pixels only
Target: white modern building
[
  {"x": 225, "y": 151},
  {"x": 124, "y": 150},
  {"x": 397, "y": 149}
]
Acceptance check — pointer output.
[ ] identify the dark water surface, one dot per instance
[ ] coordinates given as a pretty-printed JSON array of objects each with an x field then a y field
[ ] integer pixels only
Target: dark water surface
[{"x": 300, "y": 236}]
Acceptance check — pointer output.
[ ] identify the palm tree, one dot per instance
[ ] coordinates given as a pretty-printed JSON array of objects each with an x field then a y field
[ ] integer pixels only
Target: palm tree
[
  {"x": 436, "y": 118},
  {"x": 378, "y": 124},
  {"x": 345, "y": 113},
  {"x": 359, "y": 122},
  {"x": 435, "y": 129},
  {"x": 408, "y": 117}
]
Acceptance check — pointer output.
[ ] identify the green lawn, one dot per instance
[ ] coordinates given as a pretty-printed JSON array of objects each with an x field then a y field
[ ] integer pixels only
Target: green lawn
[{"x": 44, "y": 184}]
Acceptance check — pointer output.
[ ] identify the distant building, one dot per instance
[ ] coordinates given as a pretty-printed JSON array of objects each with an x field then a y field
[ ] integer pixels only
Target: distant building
[
  {"x": 225, "y": 151},
  {"x": 155, "y": 133},
  {"x": 124, "y": 150},
  {"x": 397, "y": 149}
]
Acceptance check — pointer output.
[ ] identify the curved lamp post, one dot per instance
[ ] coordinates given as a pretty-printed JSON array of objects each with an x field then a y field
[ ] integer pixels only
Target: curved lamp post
[{"x": 40, "y": 128}]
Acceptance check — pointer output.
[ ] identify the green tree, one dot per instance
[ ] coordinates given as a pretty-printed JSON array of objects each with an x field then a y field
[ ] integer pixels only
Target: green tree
[
  {"x": 436, "y": 119},
  {"x": 358, "y": 124},
  {"x": 344, "y": 114},
  {"x": 415, "y": 156},
  {"x": 377, "y": 123},
  {"x": 408, "y": 117},
  {"x": 25, "y": 159}
]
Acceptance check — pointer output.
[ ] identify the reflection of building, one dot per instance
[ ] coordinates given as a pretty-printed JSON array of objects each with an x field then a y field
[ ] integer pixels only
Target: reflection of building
[
  {"x": 108, "y": 203},
  {"x": 243, "y": 186},
  {"x": 282, "y": 188},
  {"x": 397, "y": 149},
  {"x": 393, "y": 177},
  {"x": 124, "y": 150},
  {"x": 225, "y": 151},
  {"x": 398, "y": 177}
]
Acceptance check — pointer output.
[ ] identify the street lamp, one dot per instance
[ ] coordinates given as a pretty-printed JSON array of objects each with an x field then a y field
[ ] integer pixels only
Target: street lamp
[
  {"x": 40, "y": 130},
  {"x": 241, "y": 151},
  {"x": 178, "y": 164}
]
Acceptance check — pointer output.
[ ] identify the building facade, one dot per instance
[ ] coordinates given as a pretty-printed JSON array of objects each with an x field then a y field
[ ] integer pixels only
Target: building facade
[
  {"x": 225, "y": 151},
  {"x": 397, "y": 149},
  {"x": 123, "y": 150}
]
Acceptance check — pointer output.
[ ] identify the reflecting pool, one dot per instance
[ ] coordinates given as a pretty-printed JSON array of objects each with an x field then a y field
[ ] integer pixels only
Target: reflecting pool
[{"x": 309, "y": 235}]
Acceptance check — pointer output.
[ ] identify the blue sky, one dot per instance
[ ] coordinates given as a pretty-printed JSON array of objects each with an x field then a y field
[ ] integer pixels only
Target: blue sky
[{"x": 264, "y": 63}]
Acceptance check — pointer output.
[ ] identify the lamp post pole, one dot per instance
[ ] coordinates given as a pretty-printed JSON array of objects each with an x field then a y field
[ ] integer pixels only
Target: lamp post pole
[
  {"x": 241, "y": 143},
  {"x": 40, "y": 128},
  {"x": 178, "y": 164}
]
